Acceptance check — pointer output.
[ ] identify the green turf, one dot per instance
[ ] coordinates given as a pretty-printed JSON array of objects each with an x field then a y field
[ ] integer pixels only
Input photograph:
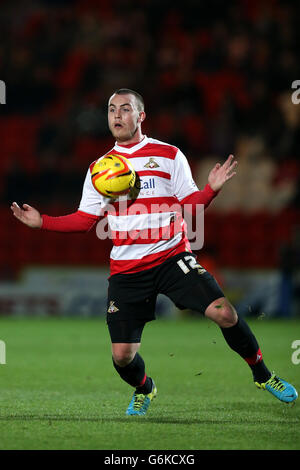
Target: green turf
[{"x": 58, "y": 389}]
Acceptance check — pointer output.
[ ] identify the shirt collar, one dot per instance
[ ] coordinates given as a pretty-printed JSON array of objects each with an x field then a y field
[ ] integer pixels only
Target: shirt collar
[{"x": 134, "y": 148}]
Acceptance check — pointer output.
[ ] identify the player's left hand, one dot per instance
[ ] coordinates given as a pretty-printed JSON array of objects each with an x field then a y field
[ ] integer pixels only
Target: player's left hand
[{"x": 222, "y": 173}]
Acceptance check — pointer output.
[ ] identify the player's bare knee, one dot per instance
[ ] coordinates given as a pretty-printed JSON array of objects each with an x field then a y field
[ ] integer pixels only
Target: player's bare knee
[
  {"x": 222, "y": 313},
  {"x": 122, "y": 360},
  {"x": 227, "y": 318},
  {"x": 123, "y": 354}
]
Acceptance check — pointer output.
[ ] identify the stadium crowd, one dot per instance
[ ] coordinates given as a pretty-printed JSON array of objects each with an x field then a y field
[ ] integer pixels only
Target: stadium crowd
[{"x": 216, "y": 79}]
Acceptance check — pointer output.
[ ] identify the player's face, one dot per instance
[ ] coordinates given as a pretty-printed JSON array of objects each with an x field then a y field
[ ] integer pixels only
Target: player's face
[{"x": 124, "y": 118}]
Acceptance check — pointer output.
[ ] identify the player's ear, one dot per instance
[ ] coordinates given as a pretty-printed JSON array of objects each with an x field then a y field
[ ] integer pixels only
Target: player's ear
[{"x": 142, "y": 116}]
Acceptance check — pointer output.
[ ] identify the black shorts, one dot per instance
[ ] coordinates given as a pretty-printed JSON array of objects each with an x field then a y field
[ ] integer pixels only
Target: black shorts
[{"x": 132, "y": 297}]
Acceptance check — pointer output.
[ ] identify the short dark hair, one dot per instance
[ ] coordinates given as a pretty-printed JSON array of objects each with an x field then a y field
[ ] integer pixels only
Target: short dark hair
[{"x": 138, "y": 97}]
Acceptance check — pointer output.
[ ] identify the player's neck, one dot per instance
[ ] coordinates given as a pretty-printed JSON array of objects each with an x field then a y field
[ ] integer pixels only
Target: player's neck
[{"x": 138, "y": 137}]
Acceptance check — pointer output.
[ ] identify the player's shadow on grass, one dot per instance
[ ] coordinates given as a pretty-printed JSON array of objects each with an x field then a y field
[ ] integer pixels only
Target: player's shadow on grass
[
  {"x": 140, "y": 420},
  {"x": 270, "y": 414}
]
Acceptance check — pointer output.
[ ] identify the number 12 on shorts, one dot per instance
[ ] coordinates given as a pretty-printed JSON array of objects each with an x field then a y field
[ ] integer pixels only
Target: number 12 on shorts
[{"x": 189, "y": 263}]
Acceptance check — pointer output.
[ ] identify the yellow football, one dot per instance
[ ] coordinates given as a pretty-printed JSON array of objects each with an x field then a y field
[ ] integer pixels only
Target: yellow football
[{"x": 113, "y": 175}]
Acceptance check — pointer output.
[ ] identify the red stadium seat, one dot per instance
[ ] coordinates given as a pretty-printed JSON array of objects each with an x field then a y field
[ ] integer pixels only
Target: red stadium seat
[{"x": 89, "y": 149}]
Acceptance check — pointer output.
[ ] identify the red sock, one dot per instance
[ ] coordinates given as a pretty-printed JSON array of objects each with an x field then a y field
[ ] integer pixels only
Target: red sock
[
  {"x": 260, "y": 372},
  {"x": 254, "y": 359}
]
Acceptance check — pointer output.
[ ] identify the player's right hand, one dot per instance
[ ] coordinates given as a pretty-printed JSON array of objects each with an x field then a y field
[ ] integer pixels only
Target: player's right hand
[{"x": 27, "y": 214}]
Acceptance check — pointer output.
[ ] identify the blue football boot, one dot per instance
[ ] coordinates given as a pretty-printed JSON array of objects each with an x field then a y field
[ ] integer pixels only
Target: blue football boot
[
  {"x": 140, "y": 403},
  {"x": 279, "y": 388}
]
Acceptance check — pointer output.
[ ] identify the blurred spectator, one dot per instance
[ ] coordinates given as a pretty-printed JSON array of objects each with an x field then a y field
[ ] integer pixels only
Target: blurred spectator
[
  {"x": 216, "y": 79},
  {"x": 17, "y": 183},
  {"x": 289, "y": 263}
]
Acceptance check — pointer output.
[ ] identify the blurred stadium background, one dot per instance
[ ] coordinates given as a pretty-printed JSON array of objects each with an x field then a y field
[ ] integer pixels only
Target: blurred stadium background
[{"x": 216, "y": 78}]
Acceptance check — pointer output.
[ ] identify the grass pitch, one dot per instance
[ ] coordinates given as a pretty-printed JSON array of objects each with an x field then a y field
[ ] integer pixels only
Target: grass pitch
[{"x": 58, "y": 389}]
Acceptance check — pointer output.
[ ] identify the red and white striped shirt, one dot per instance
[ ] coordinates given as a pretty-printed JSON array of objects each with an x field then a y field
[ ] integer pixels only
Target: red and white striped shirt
[{"x": 148, "y": 230}]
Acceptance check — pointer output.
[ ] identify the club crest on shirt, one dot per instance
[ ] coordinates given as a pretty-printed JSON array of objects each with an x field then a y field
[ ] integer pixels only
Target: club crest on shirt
[
  {"x": 151, "y": 164},
  {"x": 112, "y": 307}
]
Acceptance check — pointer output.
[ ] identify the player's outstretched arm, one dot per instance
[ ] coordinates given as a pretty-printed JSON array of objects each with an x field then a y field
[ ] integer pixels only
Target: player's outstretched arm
[
  {"x": 216, "y": 179},
  {"x": 76, "y": 222},
  {"x": 222, "y": 173},
  {"x": 27, "y": 214}
]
